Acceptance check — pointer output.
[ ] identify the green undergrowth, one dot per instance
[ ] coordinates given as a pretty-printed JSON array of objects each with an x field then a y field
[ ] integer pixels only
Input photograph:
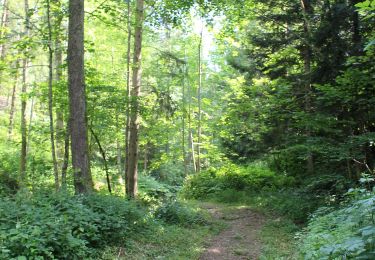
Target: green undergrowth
[
  {"x": 346, "y": 232},
  {"x": 168, "y": 240},
  {"x": 256, "y": 186},
  {"x": 49, "y": 225},
  {"x": 278, "y": 239}
]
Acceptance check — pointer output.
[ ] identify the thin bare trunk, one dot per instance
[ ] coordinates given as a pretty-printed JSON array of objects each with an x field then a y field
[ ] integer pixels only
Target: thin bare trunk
[
  {"x": 13, "y": 102},
  {"x": 183, "y": 120},
  {"x": 23, "y": 177},
  {"x": 198, "y": 167},
  {"x": 102, "y": 152},
  {"x": 307, "y": 11},
  {"x": 135, "y": 94},
  {"x": 192, "y": 151},
  {"x": 50, "y": 97},
  {"x": 127, "y": 99},
  {"x": 77, "y": 99},
  {"x": 65, "y": 164}
]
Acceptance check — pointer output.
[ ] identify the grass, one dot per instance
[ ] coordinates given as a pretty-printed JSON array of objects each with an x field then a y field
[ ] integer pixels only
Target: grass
[
  {"x": 278, "y": 234},
  {"x": 164, "y": 241},
  {"x": 278, "y": 241}
]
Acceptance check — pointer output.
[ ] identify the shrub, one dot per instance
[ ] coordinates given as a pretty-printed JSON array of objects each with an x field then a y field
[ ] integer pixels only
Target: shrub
[
  {"x": 47, "y": 226},
  {"x": 344, "y": 233},
  {"x": 177, "y": 213},
  {"x": 233, "y": 177}
]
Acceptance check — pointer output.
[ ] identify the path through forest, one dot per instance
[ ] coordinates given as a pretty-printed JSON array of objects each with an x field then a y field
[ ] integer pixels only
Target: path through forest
[{"x": 240, "y": 239}]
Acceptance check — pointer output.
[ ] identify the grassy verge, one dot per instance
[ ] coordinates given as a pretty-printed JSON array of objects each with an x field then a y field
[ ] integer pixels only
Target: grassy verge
[
  {"x": 278, "y": 240},
  {"x": 164, "y": 242},
  {"x": 167, "y": 241}
]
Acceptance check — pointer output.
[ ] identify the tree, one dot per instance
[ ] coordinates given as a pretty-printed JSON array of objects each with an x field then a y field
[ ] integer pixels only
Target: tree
[
  {"x": 134, "y": 105},
  {"x": 77, "y": 99},
  {"x": 23, "y": 102},
  {"x": 50, "y": 96}
]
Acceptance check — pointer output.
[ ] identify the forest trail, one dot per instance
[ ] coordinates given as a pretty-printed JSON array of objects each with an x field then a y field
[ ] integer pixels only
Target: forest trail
[{"x": 240, "y": 239}]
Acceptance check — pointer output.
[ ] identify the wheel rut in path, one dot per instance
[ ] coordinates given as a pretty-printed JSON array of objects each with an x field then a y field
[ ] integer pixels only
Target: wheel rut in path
[{"x": 240, "y": 240}]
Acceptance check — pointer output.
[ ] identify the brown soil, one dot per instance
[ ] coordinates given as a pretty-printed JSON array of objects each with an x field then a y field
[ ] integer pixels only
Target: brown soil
[{"x": 240, "y": 240}]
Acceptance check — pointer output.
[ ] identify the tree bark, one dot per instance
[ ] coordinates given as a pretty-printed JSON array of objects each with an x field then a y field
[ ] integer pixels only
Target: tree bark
[
  {"x": 127, "y": 127},
  {"x": 23, "y": 177},
  {"x": 306, "y": 53},
  {"x": 198, "y": 167},
  {"x": 135, "y": 94},
  {"x": 13, "y": 102},
  {"x": 77, "y": 99},
  {"x": 50, "y": 97},
  {"x": 65, "y": 164}
]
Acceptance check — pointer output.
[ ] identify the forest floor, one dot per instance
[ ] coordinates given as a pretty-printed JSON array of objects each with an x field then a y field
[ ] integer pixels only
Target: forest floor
[{"x": 241, "y": 237}]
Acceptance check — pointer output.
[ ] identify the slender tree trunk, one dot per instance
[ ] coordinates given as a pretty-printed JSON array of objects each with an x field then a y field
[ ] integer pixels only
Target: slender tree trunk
[
  {"x": 135, "y": 94},
  {"x": 356, "y": 33},
  {"x": 198, "y": 167},
  {"x": 307, "y": 12},
  {"x": 118, "y": 148},
  {"x": 183, "y": 121},
  {"x": 102, "y": 152},
  {"x": 23, "y": 177},
  {"x": 13, "y": 103},
  {"x": 3, "y": 26},
  {"x": 191, "y": 140},
  {"x": 65, "y": 164},
  {"x": 127, "y": 99},
  {"x": 59, "y": 114},
  {"x": 50, "y": 97},
  {"x": 192, "y": 151},
  {"x": 77, "y": 99}
]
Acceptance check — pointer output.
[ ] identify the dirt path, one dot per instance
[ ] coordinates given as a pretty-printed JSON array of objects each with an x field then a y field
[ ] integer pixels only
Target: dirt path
[{"x": 240, "y": 240}]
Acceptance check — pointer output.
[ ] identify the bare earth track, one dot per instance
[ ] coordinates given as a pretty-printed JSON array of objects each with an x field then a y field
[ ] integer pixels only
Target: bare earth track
[{"x": 240, "y": 240}]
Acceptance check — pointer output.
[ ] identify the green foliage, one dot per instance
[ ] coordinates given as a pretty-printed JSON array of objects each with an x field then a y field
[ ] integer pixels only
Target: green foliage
[
  {"x": 8, "y": 184},
  {"x": 178, "y": 213},
  {"x": 344, "y": 233},
  {"x": 60, "y": 226},
  {"x": 152, "y": 191},
  {"x": 233, "y": 177}
]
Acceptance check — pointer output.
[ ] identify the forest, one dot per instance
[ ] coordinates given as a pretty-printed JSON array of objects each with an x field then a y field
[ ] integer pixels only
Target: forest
[{"x": 187, "y": 129}]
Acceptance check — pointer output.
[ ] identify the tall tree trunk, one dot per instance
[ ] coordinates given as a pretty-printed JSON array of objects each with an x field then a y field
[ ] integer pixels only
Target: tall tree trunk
[
  {"x": 13, "y": 102},
  {"x": 135, "y": 93},
  {"x": 198, "y": 167},
  {"x": 307, "y": 12},
  {"x": 77, "y": 99},
  {"x": 50, "y": 97},
  {"x": 183, "y": 120},
  {"x": 65, "y": 164},
  {"x": 127, "y": 99},
  {"x": 191, "y": 140},
  {"x": 23, "y": 177},
  {"x": 60, "y": 132}
]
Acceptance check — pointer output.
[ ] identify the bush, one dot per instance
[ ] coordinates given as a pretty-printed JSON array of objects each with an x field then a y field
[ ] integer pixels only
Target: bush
[
  {"x": 152, "y": 191},
  {"x": 8, "y": 184},
  {"x": 233, "y": 177},
  {"x": 48, "y": 226},
  {"x": 344, "y": 233},
  {"x": 177, "y": 213}
]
